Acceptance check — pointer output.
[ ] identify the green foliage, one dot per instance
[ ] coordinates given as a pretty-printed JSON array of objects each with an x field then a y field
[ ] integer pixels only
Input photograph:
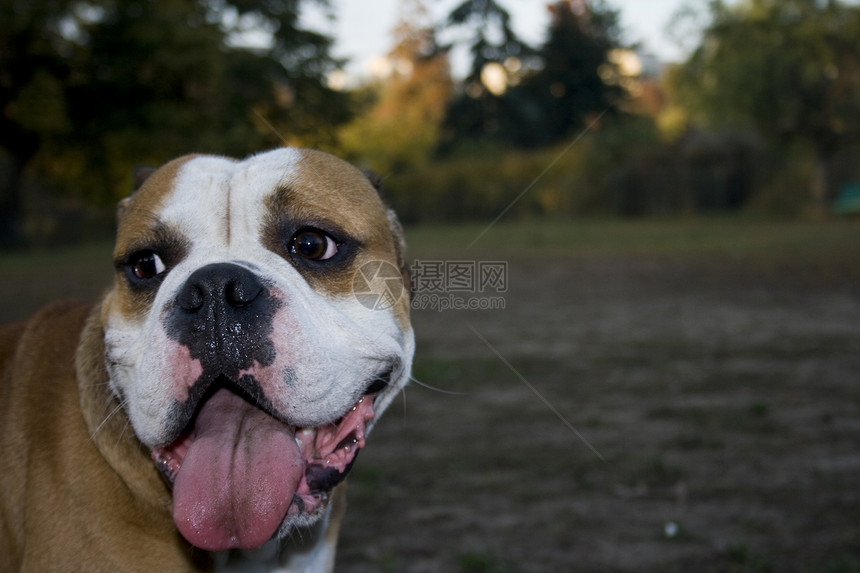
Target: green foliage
[
  {"x": 621, "y": 167},
  {"x": 788, "y": 68},
  {"x": 551, "y": 92},
  {"x": 478, "y": 187},
  {"x": 400, "y": 129},
  {"x": 487, "y": 18},
  {"x": 91, "y": 89},
  {"x": 570, "y": 86},
  {"x": 791, "y": 68},
  {"x": 765, "y": 115}
]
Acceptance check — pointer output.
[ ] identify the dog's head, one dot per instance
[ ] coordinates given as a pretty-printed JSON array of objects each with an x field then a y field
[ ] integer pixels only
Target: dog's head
[{"x": 257, "y": 325}]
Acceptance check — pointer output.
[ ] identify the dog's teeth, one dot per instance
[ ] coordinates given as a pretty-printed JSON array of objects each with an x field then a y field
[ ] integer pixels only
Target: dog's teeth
[{"x": 304, "y": 434}]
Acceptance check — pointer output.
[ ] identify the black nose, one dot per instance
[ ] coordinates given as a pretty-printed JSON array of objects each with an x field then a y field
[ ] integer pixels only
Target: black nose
[
  {"x": 223, "y": 314},
  {"x": 221, "y": 286}
]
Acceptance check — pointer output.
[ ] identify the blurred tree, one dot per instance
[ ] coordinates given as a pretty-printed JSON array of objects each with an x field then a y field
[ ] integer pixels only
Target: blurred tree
[
  {"x": 493, "y": 41},
  {"x": 579, "y": 78},
  {"x": 530, "y": 97},
  {"x": 90, "y": 89},
  {"x": 478, "y": 113},
  {"x": 402, "y": 127},
  {"x": 789, "y": 68}
]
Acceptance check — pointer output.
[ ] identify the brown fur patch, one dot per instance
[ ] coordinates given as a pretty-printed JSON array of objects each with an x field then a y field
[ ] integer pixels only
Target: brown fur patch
[
  {"x": 137, "y": 213},
  {"x": 326, "y": 192},
  {"x": 139, "y": 227},
  {"x": 70, "y": 501}
]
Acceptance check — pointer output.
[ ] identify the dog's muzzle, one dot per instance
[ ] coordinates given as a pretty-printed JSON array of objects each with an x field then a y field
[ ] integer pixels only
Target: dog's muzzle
[{"x": 238, "y": 469}]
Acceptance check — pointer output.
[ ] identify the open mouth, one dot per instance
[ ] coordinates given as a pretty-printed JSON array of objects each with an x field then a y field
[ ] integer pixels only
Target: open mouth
[{"x": 238, "y": 473}]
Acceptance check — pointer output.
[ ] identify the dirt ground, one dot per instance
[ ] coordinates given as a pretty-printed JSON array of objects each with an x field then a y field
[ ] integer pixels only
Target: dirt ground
[
  {"x": 722, "y": 401},
  {"x": 668, "y": 412}
]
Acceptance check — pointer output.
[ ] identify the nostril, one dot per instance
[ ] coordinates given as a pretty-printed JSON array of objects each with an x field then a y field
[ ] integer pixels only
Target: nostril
[
  {"x": 191, "y": 298},
  {"x": 219, "y": 287},
  {"x": 241, "y": 293}
]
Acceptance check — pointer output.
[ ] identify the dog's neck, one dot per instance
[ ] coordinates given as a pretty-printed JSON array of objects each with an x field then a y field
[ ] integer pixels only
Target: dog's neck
[{"x": 109, "y": 427}]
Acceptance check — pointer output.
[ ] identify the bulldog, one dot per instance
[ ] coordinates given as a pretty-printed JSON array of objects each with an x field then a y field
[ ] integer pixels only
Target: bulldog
[{"x": 205, "y": 413}]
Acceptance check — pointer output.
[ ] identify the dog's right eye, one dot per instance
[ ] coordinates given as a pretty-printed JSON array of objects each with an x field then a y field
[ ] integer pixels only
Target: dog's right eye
[{"x": 146, "y": 265}]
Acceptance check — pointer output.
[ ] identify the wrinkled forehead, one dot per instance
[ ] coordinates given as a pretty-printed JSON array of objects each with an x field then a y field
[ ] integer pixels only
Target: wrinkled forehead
[{"x": 218, "y": 200}]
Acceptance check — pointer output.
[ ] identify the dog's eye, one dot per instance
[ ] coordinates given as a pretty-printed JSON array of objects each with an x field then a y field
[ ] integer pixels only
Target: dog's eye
[
  {"x": 146, "y": 265},
  {"x": 313, "y": 244}
]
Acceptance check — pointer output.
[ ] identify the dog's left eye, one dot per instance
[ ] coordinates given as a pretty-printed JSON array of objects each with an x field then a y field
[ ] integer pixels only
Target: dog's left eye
[
  {"x": 313, "y": 244},
  {"x": 147, "y": 265}
]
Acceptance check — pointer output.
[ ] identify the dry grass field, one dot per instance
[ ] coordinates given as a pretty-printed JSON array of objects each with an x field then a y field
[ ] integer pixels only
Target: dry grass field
[
  {"x": 714, "y": 366},
  {"x": 653, "y": 397}
]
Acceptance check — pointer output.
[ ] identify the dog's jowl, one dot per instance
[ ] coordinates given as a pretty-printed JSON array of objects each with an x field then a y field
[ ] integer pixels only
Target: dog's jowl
[{"x": 205, "y": 413}]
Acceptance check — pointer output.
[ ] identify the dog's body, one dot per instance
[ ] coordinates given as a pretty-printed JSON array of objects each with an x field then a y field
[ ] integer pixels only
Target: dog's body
[{"x": 231, "y": 360}]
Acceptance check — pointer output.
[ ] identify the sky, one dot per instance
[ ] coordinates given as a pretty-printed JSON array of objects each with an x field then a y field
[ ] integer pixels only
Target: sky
[{"x": 362, "y": 28}]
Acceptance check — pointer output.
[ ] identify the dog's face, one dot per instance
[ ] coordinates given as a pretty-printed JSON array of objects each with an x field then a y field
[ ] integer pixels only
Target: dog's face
[{"x": 236, "y": 342}]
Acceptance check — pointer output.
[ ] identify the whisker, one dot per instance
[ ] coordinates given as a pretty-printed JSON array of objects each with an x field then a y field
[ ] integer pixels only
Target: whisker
[
  {"x": 435, "y": 389},
  {"x": 122, "y": 433},
  {"x": 297, "y": 532},
  {"x": 107, "y": 418}
]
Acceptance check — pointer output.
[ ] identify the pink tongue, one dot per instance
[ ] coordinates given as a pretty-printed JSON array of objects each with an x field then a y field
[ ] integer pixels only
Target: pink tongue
[{"x": 238, "y": 478}]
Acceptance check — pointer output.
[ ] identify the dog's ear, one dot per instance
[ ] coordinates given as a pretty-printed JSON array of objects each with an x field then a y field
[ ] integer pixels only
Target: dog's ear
[
  {"x": 374, "y": 179},
  {"x": 400, "y": 249},
  {"x": 396, "y": 232},
  {"x": 121, "y": 207},
  {"x": 138, "y": 178},
  {"x": 140, "y": 175}
]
